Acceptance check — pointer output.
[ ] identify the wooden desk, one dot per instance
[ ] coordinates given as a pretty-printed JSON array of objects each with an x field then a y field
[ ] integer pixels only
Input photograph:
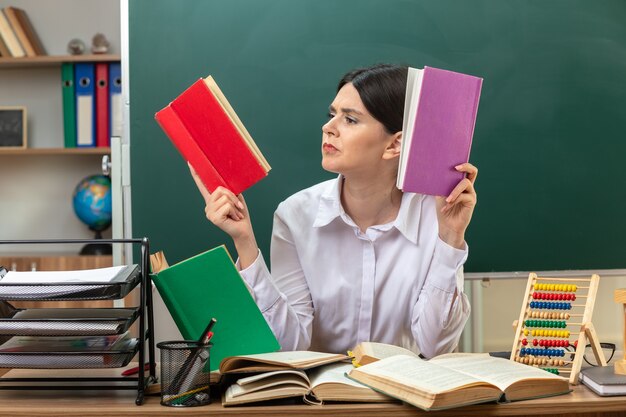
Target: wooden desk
[{"x": 581, "y": 402}]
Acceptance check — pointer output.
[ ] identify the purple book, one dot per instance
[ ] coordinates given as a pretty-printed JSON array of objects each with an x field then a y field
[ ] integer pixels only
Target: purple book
[{"x": 439, "y": 117}]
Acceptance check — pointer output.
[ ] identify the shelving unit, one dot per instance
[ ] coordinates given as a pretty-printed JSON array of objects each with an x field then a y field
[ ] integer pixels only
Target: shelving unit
[
  {"x": 56, "y": 151},
  {"x": 53, "y": 60},
  {"x": 122, "y": 318},
  {"x": 35, "y": 82}
]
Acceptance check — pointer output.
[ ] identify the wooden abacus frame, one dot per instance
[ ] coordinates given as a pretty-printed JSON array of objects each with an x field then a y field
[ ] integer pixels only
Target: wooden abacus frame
[{"x": 585, "y": 332}]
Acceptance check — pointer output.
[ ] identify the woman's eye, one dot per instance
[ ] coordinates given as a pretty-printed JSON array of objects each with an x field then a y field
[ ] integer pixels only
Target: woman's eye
[
  {"x": 350, "y": 120},
  {"x": 330, "y": 115}
]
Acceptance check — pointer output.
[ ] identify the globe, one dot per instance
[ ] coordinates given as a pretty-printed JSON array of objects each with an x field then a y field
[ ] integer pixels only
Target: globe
[
  {"x": 92, "y": 205},
  {"x": 92, "y": 202}
]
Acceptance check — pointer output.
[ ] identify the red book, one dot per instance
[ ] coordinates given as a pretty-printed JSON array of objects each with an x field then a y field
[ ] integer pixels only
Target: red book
[
  {"x": 208, "y": 134},
  {"x": 102, "y": 105}
]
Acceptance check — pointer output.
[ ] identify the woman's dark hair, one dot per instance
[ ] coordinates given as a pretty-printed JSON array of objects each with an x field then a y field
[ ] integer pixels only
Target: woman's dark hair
[{"x": 382, "y": 88}]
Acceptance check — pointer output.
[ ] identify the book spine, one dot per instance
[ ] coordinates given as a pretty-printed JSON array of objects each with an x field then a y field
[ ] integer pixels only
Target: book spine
[
  {"x": 174, "y": 307},
  {"x": 187, "y": 146},
  {"x": 84, "y": 76},
  {"x": 30, "y": 31},
  {"x": 479, "y": 86},
  {"x": 103, "y": 138},
  {"x": 4, "y": 50},
  {"x": 19, "y": 31},
  {"x": 69, "y": 104},
  {"x": 9, "y": 37}
]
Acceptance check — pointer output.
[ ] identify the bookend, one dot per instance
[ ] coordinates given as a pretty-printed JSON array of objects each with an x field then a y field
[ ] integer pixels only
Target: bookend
[
  {"x": 556, "y": 317},
  {"x": 146, "y": 374}
]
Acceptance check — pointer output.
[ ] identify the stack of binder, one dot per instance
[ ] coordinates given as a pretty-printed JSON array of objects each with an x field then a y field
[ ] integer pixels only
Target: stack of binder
[{"x": 92, "y": 103}]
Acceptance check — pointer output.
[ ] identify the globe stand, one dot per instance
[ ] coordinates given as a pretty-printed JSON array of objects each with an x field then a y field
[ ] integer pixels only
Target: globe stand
[{"x": 97, "y": 248}]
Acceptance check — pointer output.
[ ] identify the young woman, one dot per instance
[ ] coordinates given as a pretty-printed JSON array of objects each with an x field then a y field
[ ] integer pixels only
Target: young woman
[{"x": 355, "y": 259}]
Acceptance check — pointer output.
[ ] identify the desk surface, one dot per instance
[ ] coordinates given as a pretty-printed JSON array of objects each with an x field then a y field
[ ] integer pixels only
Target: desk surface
[{"x": 15, "y": 403}]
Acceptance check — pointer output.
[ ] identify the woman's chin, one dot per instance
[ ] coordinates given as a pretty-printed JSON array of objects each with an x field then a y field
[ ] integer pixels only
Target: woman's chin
[{"x": 329, "y": 166}]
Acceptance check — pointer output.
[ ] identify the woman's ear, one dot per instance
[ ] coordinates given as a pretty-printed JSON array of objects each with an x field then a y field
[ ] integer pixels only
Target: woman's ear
[{"x": 393, "y": 148}]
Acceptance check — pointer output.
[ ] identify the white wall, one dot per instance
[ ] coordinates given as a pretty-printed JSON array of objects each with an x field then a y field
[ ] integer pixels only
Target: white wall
[{"x": 36, "y": 190}]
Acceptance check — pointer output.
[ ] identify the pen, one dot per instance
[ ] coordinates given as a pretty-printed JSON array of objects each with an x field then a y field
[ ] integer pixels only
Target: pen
[
  {"x": 134, "y": 370},
  {"x": 193, "y": 391},
  {"x": 194, "y": 363},
  {"x": 207, "y": 334}
]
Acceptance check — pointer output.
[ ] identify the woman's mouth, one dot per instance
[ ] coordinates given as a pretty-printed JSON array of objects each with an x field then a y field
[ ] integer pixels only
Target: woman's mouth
[{"x": 328, "y": 148}]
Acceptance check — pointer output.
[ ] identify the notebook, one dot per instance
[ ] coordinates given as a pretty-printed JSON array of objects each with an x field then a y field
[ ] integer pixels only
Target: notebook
[{"x": 603, "y": 380}]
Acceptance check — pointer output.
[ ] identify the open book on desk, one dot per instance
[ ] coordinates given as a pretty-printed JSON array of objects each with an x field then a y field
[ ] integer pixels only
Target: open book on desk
[
  {"x": 275, "y": 361},
  {"x": 319, "y": 384},
  {"x": 293, "y": 374},
  {"x": 457, "y": 379}
]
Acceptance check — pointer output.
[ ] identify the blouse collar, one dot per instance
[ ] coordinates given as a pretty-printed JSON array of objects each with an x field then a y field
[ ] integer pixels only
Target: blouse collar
[{"x": 330, "y": 208}]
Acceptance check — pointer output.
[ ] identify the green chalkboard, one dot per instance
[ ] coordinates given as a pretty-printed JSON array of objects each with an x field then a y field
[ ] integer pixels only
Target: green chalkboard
[{"x": 550, "y": 139}]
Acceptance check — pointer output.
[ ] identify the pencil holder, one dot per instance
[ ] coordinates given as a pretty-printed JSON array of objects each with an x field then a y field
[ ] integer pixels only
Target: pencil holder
[{"x": 185, "y": 373}]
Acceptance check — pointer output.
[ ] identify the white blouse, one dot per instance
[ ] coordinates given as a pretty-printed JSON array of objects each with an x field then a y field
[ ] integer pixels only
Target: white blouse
[{"x": 333, "y": 286}]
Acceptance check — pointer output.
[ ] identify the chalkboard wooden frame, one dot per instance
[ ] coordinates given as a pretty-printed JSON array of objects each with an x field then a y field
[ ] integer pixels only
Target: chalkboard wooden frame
[{"x": 13, "y": 128}]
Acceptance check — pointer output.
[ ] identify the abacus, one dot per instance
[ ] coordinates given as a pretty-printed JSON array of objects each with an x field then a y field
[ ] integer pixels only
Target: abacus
[{"x": 555, "y": 317}]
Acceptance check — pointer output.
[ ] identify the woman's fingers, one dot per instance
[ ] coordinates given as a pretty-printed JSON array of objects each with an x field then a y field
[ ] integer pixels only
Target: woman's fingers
[
  {"x": 227, "y": 211},
  {"x": 470, "y": 170},
  {"x": 224, "y": 196},
  {"x": 464, "y": 186},
  {"x": 205, "y": 193},
  {"x": 463, "y": 193},
  {"x": 226, "y": 204}
]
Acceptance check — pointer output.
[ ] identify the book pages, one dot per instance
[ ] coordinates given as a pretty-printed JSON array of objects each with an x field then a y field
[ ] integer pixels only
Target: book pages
[
  {"x": 497, "y": 371},
  {"x": 384, "y": 350},
  {"x": 293, "y": 358},
  {"x": 409, "y": 371}
]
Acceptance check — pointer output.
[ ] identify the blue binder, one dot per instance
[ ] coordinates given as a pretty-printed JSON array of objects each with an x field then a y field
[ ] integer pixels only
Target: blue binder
[
  {"x": 115, "y": 99},
  {"x": 84, "y": 77}
]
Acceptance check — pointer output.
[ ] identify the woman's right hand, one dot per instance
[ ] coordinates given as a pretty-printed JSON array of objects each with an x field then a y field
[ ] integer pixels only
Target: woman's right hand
[{"x": 225, "y": 210}]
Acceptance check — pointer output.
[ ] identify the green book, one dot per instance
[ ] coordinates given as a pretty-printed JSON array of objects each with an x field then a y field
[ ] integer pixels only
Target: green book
[
  {"x": 209, "y": 285},
  {"x": 69, "y": 104}
]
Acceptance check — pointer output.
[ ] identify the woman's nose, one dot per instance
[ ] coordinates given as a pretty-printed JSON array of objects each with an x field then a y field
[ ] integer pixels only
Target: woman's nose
[{"x": 329, "y": 127}]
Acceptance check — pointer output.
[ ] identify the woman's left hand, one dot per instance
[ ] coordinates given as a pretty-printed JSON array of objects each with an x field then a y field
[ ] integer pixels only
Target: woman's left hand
[{"x": 455, "y": 211}]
